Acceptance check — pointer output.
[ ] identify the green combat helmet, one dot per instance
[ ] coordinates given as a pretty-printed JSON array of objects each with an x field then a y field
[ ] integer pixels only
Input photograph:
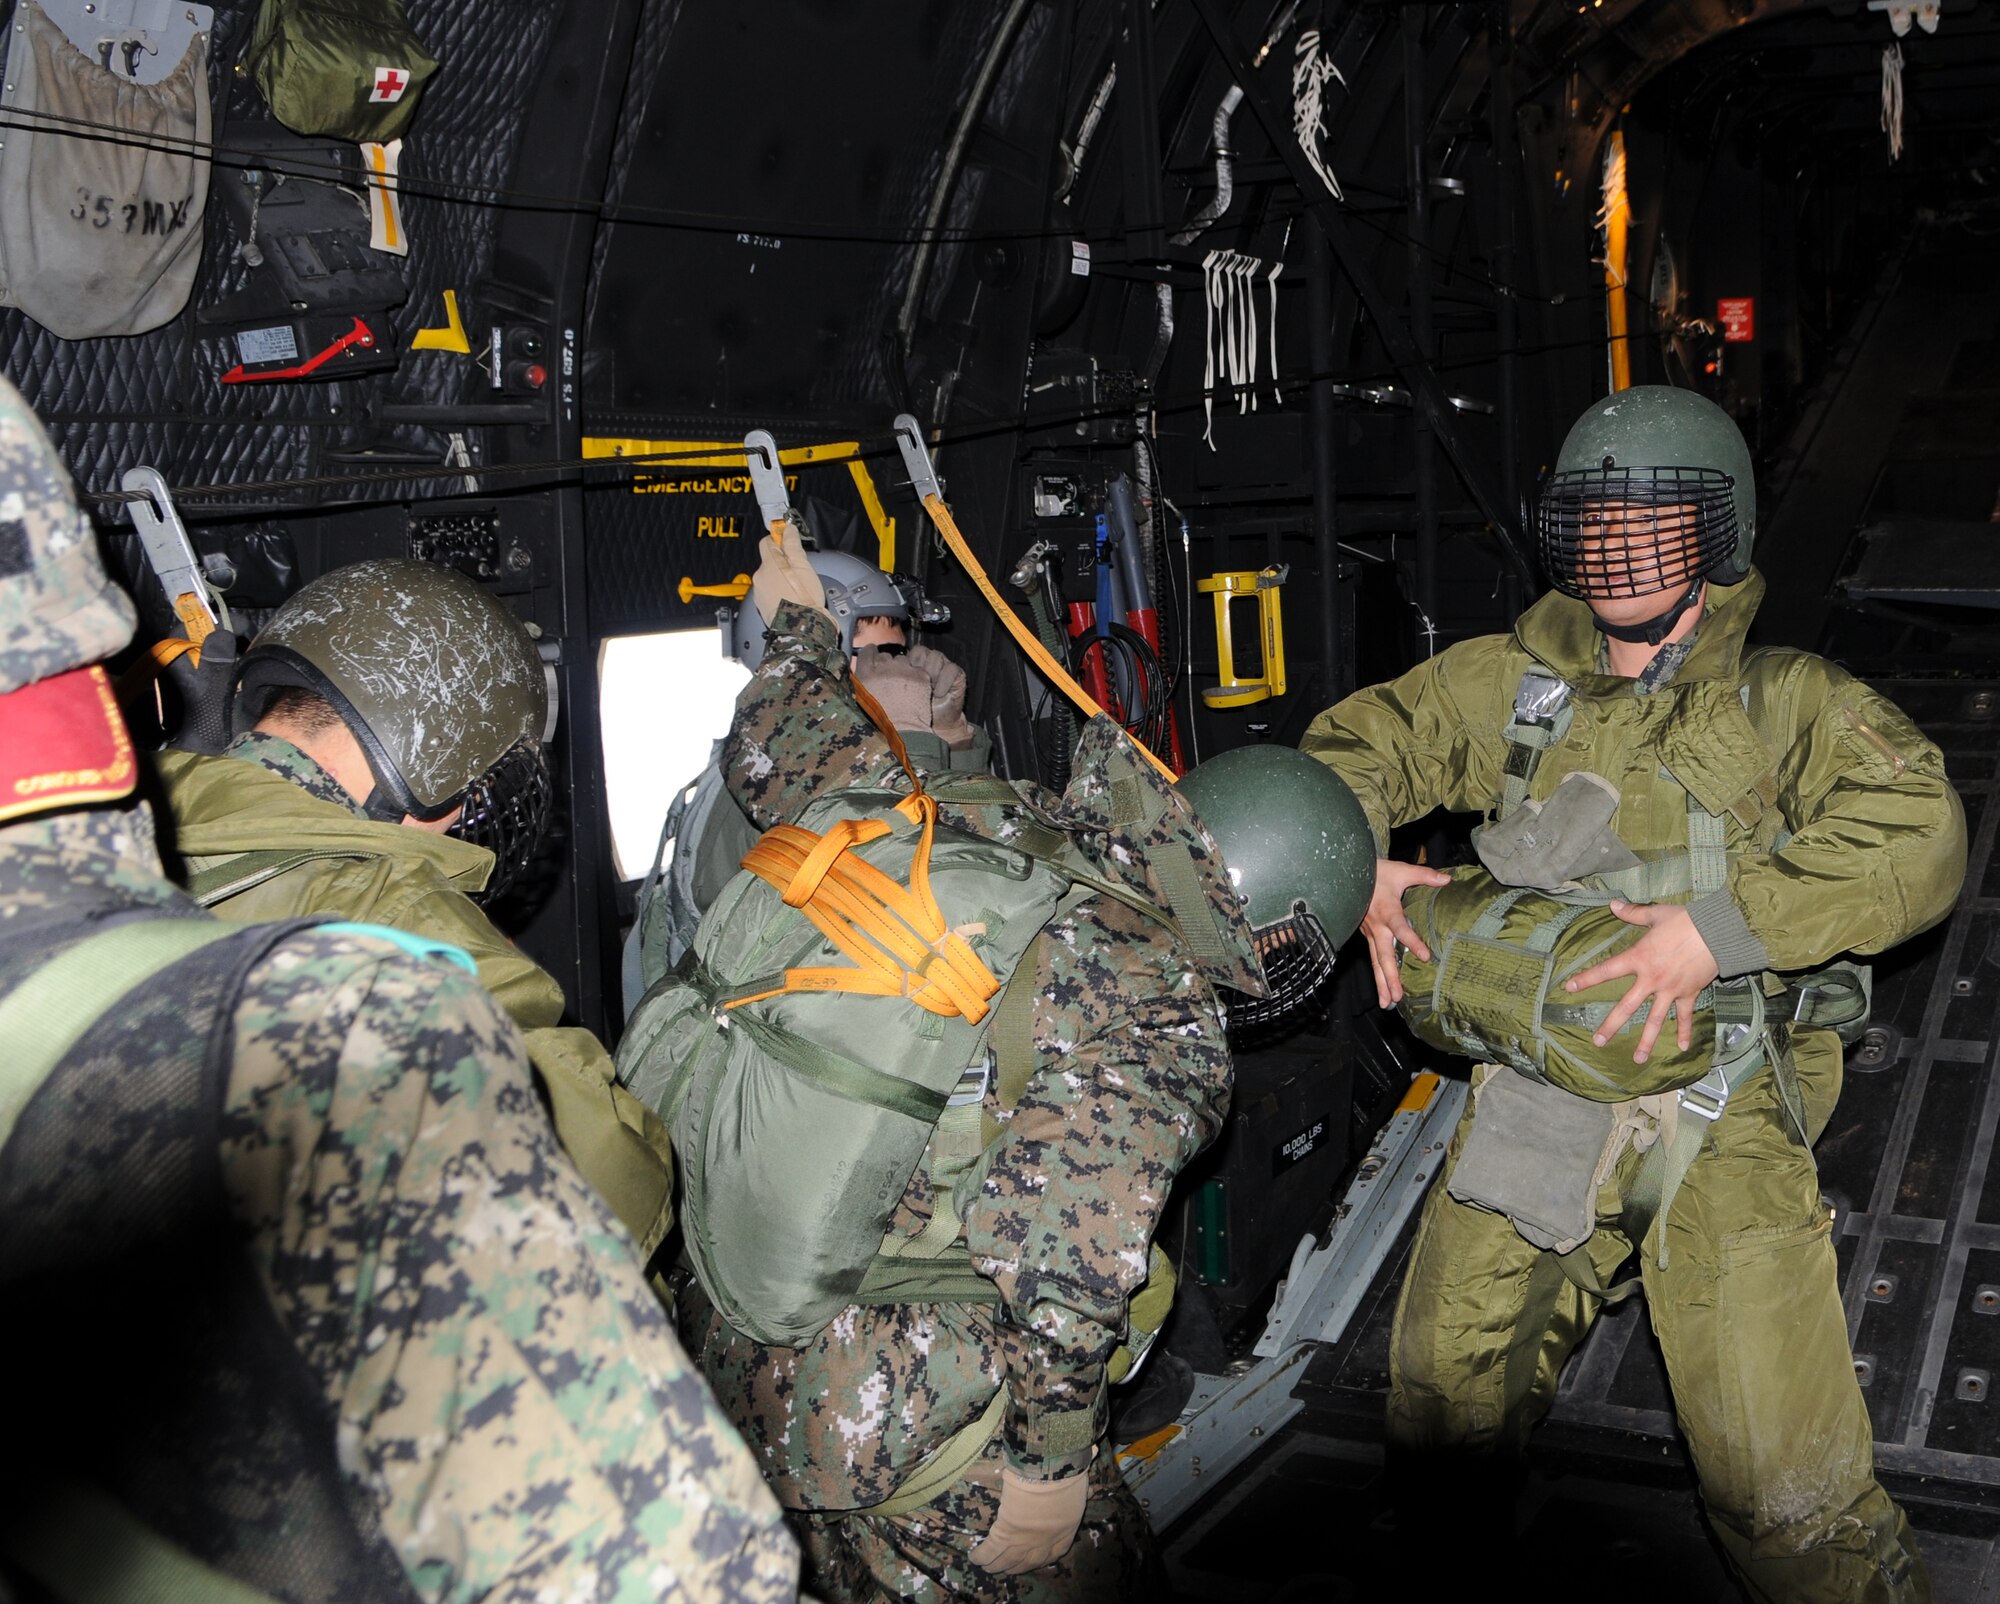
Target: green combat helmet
[
  {"x": 1653, "y": 492},
  {"x": 439, "y": 682},
  {"x": 58, "y": 610},
  {"x": 1300, "y": 855}
]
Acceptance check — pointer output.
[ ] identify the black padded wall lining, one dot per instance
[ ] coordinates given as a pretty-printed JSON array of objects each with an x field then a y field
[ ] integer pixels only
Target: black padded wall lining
[
  {"x": 766, "y": 114},
  {"x": 155, "y": 398}
]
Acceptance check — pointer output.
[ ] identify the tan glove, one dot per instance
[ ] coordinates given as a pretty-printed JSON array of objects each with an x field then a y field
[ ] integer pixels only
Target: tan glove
[
  {"x": 900, "y": 682},
  {"x": 1036, "y": 1524},
  {"x": 785, "y": 574},
  {"x": 947, "y": 710}
]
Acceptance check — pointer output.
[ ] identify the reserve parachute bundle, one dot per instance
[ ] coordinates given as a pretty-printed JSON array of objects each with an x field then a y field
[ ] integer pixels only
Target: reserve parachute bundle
[{"x": 1493, "y": 990}]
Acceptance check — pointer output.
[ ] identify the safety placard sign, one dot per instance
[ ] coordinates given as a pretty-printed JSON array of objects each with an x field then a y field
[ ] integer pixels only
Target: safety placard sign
[{"x": 1738, "y": 317}]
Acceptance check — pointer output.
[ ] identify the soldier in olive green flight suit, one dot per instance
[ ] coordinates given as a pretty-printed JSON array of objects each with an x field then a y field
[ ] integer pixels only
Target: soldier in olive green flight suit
[
  {"x": 388, "y": 768},
  {"x": 1840, "y": 832},
  {"x": 303, "y": 1301}
]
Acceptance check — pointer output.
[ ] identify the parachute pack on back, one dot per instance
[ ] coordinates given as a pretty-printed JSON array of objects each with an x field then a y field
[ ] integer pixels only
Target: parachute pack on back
[{"x": 800, "y": 1110}]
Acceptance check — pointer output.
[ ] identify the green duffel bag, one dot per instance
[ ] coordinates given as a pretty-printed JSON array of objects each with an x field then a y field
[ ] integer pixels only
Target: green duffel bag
[
  {"x": 344, "y": 69},
  {"x": 1493, "y": 991},
  {"x": 799, "y": 1110}
]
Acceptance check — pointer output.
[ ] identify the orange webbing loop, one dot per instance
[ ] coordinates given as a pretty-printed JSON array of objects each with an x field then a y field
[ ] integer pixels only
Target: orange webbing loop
[
  {"x": 1038, "y": 654},
  {"x": 847, "y": 833},
  {"x": 152, "y": 663},
  {"x": 896, "y": 937}
]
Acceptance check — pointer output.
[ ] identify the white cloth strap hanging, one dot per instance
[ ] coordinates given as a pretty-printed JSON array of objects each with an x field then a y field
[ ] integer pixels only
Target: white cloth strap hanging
[
  {"x": 1271, "y": 283},
  {"x": 1211, "y": 293},
  {"x": 1892, "y": 98},
  {"x": 1310, "y": 73}
]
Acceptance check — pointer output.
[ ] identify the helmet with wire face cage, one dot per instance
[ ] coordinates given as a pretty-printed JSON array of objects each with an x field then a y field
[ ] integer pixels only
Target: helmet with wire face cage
[
  {"x": 1300, "y": 855},
  {"x": 439, "y": 683},
  {"x": 1653, "y": 491}
]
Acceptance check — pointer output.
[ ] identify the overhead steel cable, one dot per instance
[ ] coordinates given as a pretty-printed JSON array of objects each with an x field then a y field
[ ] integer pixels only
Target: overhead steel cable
[
  {"x": 1294, "y": 385},
  {"x": 467, "y": 192}
]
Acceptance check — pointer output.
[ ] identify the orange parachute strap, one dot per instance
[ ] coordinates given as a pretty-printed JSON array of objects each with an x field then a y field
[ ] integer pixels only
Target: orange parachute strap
[
  {"x": 847, "y": 833},
  {"x": 881, "y": 720},
  {"x": 895, "y": 936},
  {"x": 150, "y": 664},
  {"x": 1037, "y": 653}
]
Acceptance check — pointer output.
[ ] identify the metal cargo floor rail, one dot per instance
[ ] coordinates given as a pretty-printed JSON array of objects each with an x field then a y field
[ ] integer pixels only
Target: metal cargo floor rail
[{"x": 1231, "y": 1417}]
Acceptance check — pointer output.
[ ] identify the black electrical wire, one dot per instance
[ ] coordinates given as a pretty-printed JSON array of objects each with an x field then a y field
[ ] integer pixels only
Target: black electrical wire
[
  {"x": 469, "y": 192},
  {"x": 1296, "y": 386},
  {"x": 1130, "y": 662}
]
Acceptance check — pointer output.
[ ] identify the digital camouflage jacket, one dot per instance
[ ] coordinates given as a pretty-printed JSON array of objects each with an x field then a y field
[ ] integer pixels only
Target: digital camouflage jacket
[
  {"x": 481, "y": 1364},
  {"x": 1132, "y": 1080},
  {"x": 266, "y": 795},
  {"x": 1843, "y": 832}
]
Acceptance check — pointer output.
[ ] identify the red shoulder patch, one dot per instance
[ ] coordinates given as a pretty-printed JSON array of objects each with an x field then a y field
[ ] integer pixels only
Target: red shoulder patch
[{"x": 63, "y": 742}]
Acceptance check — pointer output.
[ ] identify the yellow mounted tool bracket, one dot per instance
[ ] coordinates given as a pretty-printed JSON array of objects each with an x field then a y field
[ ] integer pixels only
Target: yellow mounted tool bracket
[
  {"x": 923, "y": 479},
  {"x": 1243, "y": 584}
]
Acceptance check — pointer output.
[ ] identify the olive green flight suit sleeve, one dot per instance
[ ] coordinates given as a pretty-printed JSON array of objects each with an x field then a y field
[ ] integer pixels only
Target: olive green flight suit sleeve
[
  {"x": 1429, "y": 739},
  {"x": 1877, "y": 850}
]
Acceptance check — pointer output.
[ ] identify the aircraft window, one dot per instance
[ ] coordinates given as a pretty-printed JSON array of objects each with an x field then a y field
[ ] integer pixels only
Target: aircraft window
[{"x": 662, "y": 700}]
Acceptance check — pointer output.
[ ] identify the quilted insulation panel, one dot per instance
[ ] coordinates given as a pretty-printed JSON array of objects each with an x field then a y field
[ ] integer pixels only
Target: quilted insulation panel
[{"x": 157, "y": 398}]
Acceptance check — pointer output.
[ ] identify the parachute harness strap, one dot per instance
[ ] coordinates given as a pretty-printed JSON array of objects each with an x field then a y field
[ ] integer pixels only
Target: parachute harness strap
[{"x": 895, "y": 936}]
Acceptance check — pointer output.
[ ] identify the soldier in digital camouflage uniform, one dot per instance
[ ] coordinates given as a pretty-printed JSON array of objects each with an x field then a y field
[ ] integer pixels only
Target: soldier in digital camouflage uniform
[
  {"x": 300, "y": 1288},
  {"x": 1132, "y": 1080}
]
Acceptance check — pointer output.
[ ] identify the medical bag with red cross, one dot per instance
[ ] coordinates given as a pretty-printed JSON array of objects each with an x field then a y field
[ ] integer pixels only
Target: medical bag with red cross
[{"x": 349, "y": 70}]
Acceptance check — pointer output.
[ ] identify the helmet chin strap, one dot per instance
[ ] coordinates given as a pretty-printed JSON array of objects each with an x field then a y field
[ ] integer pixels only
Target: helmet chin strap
[
  {"x": 1654, "y": 630},
  {"x": 381, "y": 807}
]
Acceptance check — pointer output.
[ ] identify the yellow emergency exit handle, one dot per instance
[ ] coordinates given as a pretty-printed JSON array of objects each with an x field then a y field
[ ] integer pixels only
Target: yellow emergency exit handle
[{"x": 735, "y": 589}]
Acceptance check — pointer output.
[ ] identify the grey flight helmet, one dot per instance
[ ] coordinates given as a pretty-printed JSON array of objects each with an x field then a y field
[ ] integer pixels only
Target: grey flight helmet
[
  {"x": 1301, "y": 856},
  {"x": 855, "y": 589},
  {"x": 1653, "y": 492},
  {"x": 440, "y": 684}
]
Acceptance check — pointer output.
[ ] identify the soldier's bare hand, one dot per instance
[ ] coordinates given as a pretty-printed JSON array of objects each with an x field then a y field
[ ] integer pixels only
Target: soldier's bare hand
[
  {"x": 1669, "y": 965},
  {"x": 1385, "y": 924}
]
